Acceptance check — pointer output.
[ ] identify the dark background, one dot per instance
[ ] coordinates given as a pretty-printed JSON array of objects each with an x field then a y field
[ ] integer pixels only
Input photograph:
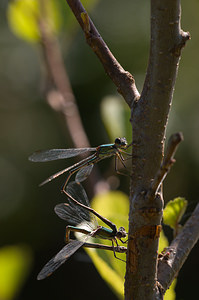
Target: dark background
[{"x": 28, "y": 124}]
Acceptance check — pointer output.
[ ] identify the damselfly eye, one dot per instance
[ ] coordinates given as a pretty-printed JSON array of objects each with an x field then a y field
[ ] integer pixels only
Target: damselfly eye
[
  {"x": 121, "y": 142},
  {"x": 118, "y": 141},
  {"x": 121, "y": 232}
]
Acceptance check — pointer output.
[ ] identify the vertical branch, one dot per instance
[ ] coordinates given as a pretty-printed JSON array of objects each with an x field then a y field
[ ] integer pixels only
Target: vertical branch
[{"x": 149, "y": 120}]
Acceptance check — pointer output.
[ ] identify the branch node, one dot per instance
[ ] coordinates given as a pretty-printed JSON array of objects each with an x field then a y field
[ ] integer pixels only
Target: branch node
[
  {"x": 184, "y": 37},
  {"x": 86, "y": 22}
]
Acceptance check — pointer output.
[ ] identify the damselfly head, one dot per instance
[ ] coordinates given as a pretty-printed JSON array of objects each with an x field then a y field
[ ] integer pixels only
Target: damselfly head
[
  {"x": 121, "y": 233},
  {"x": 121, "y": 142}
]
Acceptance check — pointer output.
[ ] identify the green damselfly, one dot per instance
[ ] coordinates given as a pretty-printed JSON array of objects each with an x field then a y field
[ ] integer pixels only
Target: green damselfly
[
  {"x": 84, "y": 167},
  {"x": 81, "y": 216}
]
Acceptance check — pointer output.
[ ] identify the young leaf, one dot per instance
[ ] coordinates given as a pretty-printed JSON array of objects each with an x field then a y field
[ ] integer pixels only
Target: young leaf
[
  {"x": 115, "y": 116},
  {"x": 114, "y": 206},
  {"x": 174, "y": 211}
]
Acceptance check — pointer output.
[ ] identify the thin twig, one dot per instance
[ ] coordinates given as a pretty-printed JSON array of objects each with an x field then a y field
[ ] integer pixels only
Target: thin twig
[
  {"x": 167, "y": 163},
  {"x": 123, "y": 80},
  {"x": 61, "y": 98},
  {"x": 59, "y": 92},
  {"x": 175, "y": 255}
]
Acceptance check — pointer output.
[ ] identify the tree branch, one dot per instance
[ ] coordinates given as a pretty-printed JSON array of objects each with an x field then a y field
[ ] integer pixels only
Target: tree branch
[
  {"x": 167, "y": 163},
  {"x": 171, "y": 262},
  {"x": 61, "y": 98},
  {"x": 59, "y": 93},
  {"x": 149, "y": 120},
  {"x": 123, "y": 80}
]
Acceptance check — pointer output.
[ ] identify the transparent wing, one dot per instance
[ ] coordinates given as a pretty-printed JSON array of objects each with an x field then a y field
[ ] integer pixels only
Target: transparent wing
[
  {"x": 54, "y": 154},
  {"x": 77, "y": 191},
  {"x": 75, "y": 215},
  {"x": 83, "y": 173},
  {"x": 72, "y": 212},
  {"x": 60, "y": 258}
]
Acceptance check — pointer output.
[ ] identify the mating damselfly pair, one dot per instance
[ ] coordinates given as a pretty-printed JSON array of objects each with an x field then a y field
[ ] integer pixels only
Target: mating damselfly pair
[{"x": 77, "y": 212}]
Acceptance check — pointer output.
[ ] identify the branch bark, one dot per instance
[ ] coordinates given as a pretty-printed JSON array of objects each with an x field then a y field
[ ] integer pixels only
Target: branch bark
[
  {"x": 149, "y": 120},
  {"x": 170, "y": 264},
  {"x": 123, "y": 80},
  {"x": 166, "y": 165}
]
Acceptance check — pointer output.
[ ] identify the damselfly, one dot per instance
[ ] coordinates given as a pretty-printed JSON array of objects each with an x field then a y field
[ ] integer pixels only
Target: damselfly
[
  {"x": 83, "y": 167},
  {"x": 82, "y": 217}
]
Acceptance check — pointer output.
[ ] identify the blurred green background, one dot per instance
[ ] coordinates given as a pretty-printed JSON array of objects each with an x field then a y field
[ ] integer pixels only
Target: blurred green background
[{"x": 30, "y": 231}]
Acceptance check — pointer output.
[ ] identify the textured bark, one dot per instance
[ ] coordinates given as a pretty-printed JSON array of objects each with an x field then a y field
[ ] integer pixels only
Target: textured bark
[
  {"x": 175, "y": 255},
  {"x": 123, "y": 80},
  {"x": 149, "y": 120}
]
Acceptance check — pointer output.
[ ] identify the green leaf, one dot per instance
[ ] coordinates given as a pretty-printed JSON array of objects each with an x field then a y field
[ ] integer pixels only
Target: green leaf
[
  {"x": 174, "y": 211},
  {"x": 163, "y": 242},
  {"x": 172, "y": 215},
  {"x": 24, "y": 17},
  {"x": 113, "y": 279},
  {"x": 170, "y": 293},
  {"x": 115, "y": 116},
  {"x": 114, "y": 206},
  {"x": 15, "y": 262}
]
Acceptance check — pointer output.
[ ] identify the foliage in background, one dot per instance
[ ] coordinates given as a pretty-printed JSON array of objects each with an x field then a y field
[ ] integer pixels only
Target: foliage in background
[
  {"x": 113, "y": 205},
  {"x": 15, "y": 264},
  {"x": 173, "y": 213},
  {"x": 116, "y": 115},
  {"x": 24, "y": 16}
]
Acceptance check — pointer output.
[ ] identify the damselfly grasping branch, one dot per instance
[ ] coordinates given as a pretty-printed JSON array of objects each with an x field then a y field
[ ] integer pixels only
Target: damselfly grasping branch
[
  {"x": 82, "y": 217},
  {"x": 84, "y": 167}
]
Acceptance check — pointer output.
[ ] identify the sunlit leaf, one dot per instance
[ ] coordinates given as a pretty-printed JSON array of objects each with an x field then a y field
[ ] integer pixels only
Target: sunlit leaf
[
  {"x": 174, "y": 211},
  {"x": 15, "y": 263},
  {"x": 113, "y": 206},
  {"x": 116, "y": 117},
  {"x": 170, "y": 293},
  {"x": 163, "y": 242},
  {"x": 113, "y": 279},
  {"x": 24, "y": 17}
]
